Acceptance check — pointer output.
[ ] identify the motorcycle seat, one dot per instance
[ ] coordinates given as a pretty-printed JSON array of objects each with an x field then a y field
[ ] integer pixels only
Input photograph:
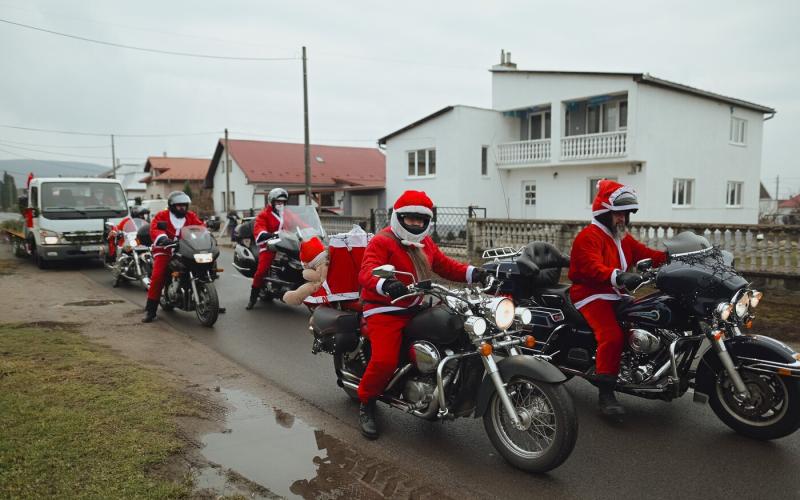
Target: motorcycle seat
[
  {"x": 329, "y": 321},
  {"x": 558, "y": 296}
]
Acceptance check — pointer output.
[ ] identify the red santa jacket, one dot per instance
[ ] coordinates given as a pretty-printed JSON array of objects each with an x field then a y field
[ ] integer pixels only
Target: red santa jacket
[
  {"x": 267, "y": 221},
  {"x": 385, "y": 248},
  {"x": 170, "y": 232},
  {"x": 596, "y": 259}
]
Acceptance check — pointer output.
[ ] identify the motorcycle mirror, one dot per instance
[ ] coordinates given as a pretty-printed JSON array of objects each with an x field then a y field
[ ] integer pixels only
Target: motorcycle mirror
[
  {"x": 161, "y": 225},
  {"x": 385, "y": 271},
  {"x": 424, "y": 285},
  {"x": 644, "y": 264}
]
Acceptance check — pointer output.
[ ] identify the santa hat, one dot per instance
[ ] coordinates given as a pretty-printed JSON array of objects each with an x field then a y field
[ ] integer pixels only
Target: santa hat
[
  {"x": 411, "y": 202},
  {"x": 608, "y": 192},
  {"x": 312, "y": 252}
]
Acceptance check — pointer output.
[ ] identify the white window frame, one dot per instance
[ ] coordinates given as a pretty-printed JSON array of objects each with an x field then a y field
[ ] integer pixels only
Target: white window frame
[
  {"x": 676, "y": 203},
  {"x": 603, "y": 107},
  {"x": 546, "y": 134},
  {"x": 592, "y": 183},
  {"x": 416, "y": 152},
  {"x": 739, "y": 188},
  {"x": 737, "y": 134}
]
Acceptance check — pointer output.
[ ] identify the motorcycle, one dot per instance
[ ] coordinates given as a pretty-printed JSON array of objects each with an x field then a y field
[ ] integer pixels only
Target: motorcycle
[
  {"x": 134, "y": 261},
  {"x": 686, "y": 335},
  {"x": 286, "y": 270},
  {"x": 192, "y": 271},
  {"x": 448, "y": 369}
]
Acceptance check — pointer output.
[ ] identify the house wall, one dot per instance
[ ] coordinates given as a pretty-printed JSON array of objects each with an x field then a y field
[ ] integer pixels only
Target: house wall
[
  {"x": 684, "y": 136},
  {"x": 243, "y": 192}
]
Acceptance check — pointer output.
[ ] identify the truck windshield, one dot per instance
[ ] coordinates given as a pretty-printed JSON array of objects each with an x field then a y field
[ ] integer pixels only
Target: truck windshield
[{"x": 90, "y": 200}]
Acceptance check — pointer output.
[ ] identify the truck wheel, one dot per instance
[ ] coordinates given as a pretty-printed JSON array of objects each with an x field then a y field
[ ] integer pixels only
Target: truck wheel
[{"x": 40, "y": 262}]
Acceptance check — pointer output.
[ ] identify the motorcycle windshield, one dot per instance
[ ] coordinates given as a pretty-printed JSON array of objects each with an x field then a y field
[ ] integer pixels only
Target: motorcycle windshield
[
  {"x": 686, "y": 242},
  {"x": 197, "y": 238},
  {"x": 301, "y": 221},
  {"x": 133, "y": 225}
]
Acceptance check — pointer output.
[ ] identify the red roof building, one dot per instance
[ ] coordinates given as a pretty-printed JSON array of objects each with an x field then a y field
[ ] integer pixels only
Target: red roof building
[
  {"x": 346, "y": 180},
  {"x": 167, "y": 174}
]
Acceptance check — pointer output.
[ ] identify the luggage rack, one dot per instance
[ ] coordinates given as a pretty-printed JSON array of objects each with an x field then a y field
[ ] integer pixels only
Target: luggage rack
[{"x": 501, "y": 253}]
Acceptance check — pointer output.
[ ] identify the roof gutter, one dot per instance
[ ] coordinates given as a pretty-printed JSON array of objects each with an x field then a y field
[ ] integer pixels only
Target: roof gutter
[{"x": 771, "y": 116}]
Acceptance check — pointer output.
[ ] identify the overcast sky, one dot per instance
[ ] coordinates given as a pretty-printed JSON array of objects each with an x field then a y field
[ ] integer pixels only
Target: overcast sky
[{"x": 373, "y": 66}]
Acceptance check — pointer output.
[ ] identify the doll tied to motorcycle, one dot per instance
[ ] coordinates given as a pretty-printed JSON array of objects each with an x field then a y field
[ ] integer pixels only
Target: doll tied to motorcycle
[{"x": 315, "y": 263}]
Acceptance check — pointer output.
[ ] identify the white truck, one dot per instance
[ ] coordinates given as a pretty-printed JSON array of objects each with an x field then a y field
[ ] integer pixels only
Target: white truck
[{"x": 66, "y": 218}]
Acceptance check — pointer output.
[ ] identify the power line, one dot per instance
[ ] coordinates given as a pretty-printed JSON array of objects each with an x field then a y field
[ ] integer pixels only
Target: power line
[
  {"x": 6, "y": 141},
  {"x": 145, "y": 49},
  {"x": 56, "y": 153},
  {"x": 96, "y": 134}
]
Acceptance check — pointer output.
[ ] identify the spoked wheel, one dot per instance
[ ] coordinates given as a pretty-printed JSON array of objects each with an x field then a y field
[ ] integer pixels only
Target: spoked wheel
[
  {"x": 772, "y": 411},
  {"x": 548, "y": 427},
  {"x": 207, "y": 307}
]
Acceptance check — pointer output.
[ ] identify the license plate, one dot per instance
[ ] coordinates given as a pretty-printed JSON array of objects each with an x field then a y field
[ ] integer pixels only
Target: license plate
[{"x": 91, "y": 248}]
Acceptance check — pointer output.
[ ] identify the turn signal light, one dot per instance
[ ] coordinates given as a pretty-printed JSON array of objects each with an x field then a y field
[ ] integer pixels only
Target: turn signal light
[
  {"x": 718, "y": 335},
  {"x": 529, "y": 341},
  {"x": 785, "y": 372},
  {"x": 218, "y": 270},
  {"x": 485, "y": 349},
  {"x": 176, "y": 274},
  {"x": 748, "y": 323},
  {"x": 797, "y": 356}
]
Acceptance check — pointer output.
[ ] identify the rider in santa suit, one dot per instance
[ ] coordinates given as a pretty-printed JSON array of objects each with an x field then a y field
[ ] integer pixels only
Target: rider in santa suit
[
  {"x": 176, "y": 216},
  {"x": 268, "y": 222},
  {"x": 406, "y": 245},
  {"x": 136, "y": 213},
  {"x": 600, "y": 257}
]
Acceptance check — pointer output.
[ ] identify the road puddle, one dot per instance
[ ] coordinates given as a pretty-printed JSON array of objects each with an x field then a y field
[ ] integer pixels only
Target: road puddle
[{"x": 273, "y": 449}]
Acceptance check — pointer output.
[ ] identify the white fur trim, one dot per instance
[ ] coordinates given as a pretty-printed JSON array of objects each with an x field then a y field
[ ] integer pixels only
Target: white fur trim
[
  {"x": 407, "y": 237},
  {"x": 614, "y": 274},
  {"x": 622, "y": 261},
  {"x": 379, "y": 310},
  {"x": 414, "y": 209},
  {"x": 159, "y": 237},
  {"x": 469, "y": 274},
  {"x": 592, "y": 298},
  {"x": 379, "y": 287},
  {"x": 331, "y": 297},
  {"x": 318, "y": 259}
]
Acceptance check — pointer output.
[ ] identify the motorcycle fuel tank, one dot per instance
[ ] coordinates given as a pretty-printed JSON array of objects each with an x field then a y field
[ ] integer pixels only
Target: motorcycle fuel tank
[
  {"x": 435, "y": 325},
  {"x": 656, "y": 310}
]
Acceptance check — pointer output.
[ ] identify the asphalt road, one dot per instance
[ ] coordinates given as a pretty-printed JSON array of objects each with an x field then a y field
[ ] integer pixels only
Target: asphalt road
[{"x": 661, "y": 450}]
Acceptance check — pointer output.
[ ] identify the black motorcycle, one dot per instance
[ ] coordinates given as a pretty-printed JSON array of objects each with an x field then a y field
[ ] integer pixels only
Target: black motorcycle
[
  {"x": 448, "y": 369},
  {"x": 686, "y": 335},
  {"x": 192, "y": 271},
  {"x": 134, "y": 261},
  {"x": 286, "y": 270}
]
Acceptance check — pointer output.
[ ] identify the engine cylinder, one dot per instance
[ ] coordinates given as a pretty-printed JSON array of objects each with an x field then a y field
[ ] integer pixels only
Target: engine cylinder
[
  {"x": 424, "y": 356},
  {"x": 643, "y": 341}
]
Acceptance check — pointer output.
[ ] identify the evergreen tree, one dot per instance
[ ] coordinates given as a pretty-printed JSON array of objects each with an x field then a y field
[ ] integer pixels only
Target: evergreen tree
[
  {"x": 187, "y": 189},
  {"x": 3, "y": 203}
]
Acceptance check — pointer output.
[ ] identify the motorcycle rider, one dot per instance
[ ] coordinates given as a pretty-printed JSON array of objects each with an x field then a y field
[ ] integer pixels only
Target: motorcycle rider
[
  {"x": 176, "y": 216},
  {"x": 136, "y": 213},
  {"x": 267, "y": 224},
  {"x": 406, "y": 245},
  {"x": 599, "y": 260}
]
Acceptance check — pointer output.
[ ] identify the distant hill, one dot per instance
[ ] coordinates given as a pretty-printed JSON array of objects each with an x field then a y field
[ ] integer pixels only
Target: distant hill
[{"x": 45, "y": 168}]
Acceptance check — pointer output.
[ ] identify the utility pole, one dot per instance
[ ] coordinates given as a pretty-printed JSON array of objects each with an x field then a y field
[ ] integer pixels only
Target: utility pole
[
  {"x": 227, "y": 175},
  {"x": 777, "y": 186},
  {"x": 113, "y": 159},
  {"x": 305, "y": 125}
]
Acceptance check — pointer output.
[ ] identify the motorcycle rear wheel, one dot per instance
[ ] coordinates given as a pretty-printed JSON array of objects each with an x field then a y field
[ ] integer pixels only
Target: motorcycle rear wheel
[
  {"x": 774, "y": 411},
  {"x": 207, "y": 307},
  {"x": 552, "y": 425}
]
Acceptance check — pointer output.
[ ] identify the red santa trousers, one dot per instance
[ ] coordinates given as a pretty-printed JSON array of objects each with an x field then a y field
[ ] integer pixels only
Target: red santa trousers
[
  {"x": 385, "y": 333},
  {"x": 160, "y": 263},
  {"x": 264, "y": 261},
  {"x": 610, "y": 339}
]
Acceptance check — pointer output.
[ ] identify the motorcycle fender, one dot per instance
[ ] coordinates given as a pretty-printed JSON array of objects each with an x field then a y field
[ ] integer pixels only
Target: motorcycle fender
[
  {"x": 750, "y": 346},
  {"x": 527, "y": 366}
]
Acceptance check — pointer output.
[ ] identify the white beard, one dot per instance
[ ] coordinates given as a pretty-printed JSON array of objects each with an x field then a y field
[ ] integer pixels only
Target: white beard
[{"x": 620, "y": 231}]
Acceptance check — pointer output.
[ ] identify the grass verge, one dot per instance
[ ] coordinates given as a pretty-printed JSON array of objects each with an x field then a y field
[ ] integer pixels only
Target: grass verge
[{"x": 78, "y": 421}]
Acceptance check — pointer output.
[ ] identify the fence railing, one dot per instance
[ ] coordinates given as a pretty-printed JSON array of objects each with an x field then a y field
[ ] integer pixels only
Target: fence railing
[
  {"x": 341, "y": 224},
  {"x": 589, "y": 146},
  {"x": 766, "y": 249},
  {"x": 523, "y": 152}
]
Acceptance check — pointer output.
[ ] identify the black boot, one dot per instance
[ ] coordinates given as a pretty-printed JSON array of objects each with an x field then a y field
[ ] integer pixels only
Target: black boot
[
  {"x": 366, "y": 417},
  {"x": 254, "y": 292},
  {"x": 606, "y": 401},
  {"x": 150, "y": 311}
]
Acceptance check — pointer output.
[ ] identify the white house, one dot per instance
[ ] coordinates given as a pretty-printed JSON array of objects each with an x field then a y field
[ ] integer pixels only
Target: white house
[
  {"x": 693, "y": 156},
  {"x": 344, "y": 180}
]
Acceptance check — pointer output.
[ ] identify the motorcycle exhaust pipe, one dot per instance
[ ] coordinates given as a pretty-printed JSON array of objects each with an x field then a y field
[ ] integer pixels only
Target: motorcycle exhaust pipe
[{"x": 391, "y": 401}]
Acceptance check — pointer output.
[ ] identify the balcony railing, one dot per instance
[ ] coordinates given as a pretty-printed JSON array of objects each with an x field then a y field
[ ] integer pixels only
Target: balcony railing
[
  {"x": 523, "y": 152},
  {"x": 591, "y": 146}
]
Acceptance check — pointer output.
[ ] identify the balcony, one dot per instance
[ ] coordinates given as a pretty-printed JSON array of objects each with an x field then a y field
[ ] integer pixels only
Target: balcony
[
  {"x": 523, "y": 152},
  {"x": 594, "y": 146}
]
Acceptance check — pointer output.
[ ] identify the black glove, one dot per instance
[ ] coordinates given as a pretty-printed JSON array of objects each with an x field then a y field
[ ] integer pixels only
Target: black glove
[
  {"x": 162, "y": 242},
  {"x": 480, "y": 276},
  {"x": 394, "y": 289},
  {"x": 264, "y": 237},
  {"x": 629, "y": 281}
]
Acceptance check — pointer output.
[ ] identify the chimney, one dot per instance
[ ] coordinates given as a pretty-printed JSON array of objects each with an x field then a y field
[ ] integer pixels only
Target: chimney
[
  {"x": 165, "y": 154},
  {"x": 505, "y": 62}
]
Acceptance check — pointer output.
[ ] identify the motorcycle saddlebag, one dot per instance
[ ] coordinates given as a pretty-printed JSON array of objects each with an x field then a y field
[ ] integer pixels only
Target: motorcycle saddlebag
[
  {"x": 143, "y": 235},
  {"x": 243, "y": 231},
  {"x": 244, "y": 261},
  {"x": 336, "y": 330}
]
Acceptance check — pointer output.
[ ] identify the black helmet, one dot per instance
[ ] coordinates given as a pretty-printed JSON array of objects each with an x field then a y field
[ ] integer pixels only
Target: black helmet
[
  {"x": 138, "y": 212},
  {"x": 626, "y": 201},
  {"x": 176, "y": 198}
]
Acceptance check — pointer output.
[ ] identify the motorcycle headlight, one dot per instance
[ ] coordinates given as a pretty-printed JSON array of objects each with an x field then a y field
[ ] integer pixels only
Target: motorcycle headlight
[
  {"x": 755, "y": 298},
  {"x": 743, "y": 305},
  {"x": 523, "y": 315},
  {"x": 502, "y": 311},
  {"x": 203, "y": 258},
  {"x": 475, "y": 326},
  {"x": 724, "y": 310}
]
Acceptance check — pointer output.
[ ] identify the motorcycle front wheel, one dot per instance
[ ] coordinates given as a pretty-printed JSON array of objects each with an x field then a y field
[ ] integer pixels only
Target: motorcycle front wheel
[
  {"x": 549, "y": 425},
  {"x": 771, "y": 412},
  {"x": 207, "y": 307}
]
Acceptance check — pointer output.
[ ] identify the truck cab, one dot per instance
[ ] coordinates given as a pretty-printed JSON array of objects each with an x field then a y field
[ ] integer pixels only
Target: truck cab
[{"x": 65, "y": 218}]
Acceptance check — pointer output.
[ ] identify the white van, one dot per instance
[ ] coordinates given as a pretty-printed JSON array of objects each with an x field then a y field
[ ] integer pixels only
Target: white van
[
  {"x": 65, "y": 218},
  {"x": 154, "y": 206}
]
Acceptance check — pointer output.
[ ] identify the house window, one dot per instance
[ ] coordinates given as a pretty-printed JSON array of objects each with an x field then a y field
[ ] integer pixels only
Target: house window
[
  {"x": 539, "y": 126},
  {"x": 422, "y": 163},
  {"x": 222, "y": 205},
  {"x": 593, "y": 186},
  {"x": 682, "y": 190},
  {"x": 734, "y": 194},
  {"x": 294, "y": 199},
  {"x": 738, "y": 132},
  {"x": 530, "y": 194},
  {"x": 623, "y": 115},
  {"x": 485, "y": 160},
  {"x": 326, "y": 200},
  {"x": 607, "y": 117}
]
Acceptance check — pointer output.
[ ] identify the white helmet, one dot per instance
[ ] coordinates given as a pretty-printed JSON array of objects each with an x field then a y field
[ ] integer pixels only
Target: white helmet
[{"x": 277, "y": 194}]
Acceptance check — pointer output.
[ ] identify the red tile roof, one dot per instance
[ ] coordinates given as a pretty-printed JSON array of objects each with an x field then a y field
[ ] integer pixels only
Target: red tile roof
[
  {"x": 790, "y": 203},
  {"x": 284, "y": 163},
  {"x": 177, "y": 169}
]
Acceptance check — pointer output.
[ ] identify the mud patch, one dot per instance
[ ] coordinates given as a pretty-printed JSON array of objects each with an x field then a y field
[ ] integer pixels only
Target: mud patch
[
  {"x": 7, "y": 266},
  {"x": 94, "y": 302},
  {"x": 47, "y": 325},
  {"x": 133, "y": 312},
  {"x": 273, "y": 448}
]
